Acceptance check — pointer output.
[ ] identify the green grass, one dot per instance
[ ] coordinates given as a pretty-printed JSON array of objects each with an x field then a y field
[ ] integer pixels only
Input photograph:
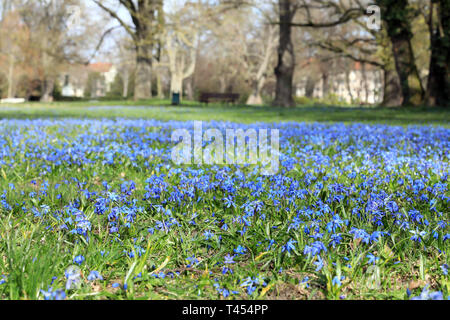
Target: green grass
[{"x": 162, "y": 110}]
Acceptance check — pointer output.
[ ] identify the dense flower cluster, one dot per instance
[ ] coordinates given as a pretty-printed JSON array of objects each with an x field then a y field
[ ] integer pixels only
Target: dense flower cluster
[{"x": 346, "y": 197}]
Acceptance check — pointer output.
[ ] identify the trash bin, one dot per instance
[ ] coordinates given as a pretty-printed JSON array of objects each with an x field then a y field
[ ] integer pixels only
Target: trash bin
[{"x": 175, "y": 99}]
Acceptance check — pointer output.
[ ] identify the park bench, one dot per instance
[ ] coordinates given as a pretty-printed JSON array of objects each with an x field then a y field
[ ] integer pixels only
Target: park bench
[{"x": 206, "y": 97}]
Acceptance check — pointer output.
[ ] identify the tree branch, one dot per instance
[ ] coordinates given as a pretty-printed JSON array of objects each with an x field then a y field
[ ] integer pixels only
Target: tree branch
[{"x": 115, "y": 16}]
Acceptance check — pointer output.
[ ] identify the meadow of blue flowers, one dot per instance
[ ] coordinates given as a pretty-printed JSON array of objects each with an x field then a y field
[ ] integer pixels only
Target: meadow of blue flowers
[{"x": 96, "y": 209}]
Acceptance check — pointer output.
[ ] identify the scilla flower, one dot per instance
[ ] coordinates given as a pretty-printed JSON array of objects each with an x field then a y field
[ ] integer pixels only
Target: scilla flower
[
  {"x": 94, "y": 275},
  {"x": 73, "y": 277}
]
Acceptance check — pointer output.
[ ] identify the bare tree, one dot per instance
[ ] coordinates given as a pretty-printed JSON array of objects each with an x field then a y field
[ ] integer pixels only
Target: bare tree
[
  {"x": 13, "y": 36},
  {"x": 181, "y": 42},
  {"x": 438, "y": 85},
  {"x": 246, "y": 45},
  {"x": 336, "y": 13},
  {"x": 5, "y": 7},
  {"x": 180, "y": 68},
  {"x": 144, "y": 16},
  {"x": 126, "y": 63},
  {"x": 355, "y": 41},
  {"x": 257, "y": 75},
  {"x": 397, "y": 16},
  {"x": 183, "y": 27},
  {"x": 52, "y": 38},
  {"x": 285, "y": 68}
]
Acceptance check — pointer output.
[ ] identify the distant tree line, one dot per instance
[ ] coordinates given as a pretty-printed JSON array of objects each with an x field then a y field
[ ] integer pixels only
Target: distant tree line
[{"x": 262, "y": 49}]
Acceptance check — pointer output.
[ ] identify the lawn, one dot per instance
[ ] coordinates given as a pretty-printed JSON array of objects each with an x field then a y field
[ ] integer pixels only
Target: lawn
[
  {"x": 92, "y": 207},
  {"x": 162, "y": 110}
]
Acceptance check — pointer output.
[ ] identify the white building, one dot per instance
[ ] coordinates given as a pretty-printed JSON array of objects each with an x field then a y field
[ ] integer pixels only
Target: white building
[
  {"x": 70, "y": 89},
  {"x": 75, "y": 81},
  {"x": 358, "y": 85}
]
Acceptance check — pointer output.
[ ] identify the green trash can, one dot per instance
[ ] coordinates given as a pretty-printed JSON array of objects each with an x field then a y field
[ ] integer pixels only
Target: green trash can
[{"x": 175, "y": 99}]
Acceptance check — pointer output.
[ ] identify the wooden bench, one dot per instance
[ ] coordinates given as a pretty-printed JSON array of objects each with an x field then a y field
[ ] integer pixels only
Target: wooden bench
[{"x": 206, "y": 97}]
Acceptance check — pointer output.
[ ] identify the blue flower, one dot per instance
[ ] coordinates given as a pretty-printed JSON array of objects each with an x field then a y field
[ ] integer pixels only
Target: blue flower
[
  {"x": 73, "y": 277},
  {"x": 94, "y": 275},
  {"x": 229, "y": 259},
  {"x": 208, "y": 235},
  {"x": 289, "y": 246},
  {"x": 427, "y": 295},
  {"x": 336, "y": 281},
  {"x": 335, "y": 239},
  {"x": 319, "y": 264},
  {"x": 372, "y": 259},
  {"x": 360, "y": 234},
  {"x": 192, "y": 261},
  {"x": 226, "y": 270},
  {"x": 444, "y": 269},
  {"x": 251, "y": 284},
  {"x": 54, "y": 295},
  {"x": 78, "y": 260},
  {"x": 229, "y": 202},
  {"x": 305, "y": 282},
  {"x": 314, "y": 249},
  {"x": 417, "y": 235},
  {"x": 240, "y": 250}
]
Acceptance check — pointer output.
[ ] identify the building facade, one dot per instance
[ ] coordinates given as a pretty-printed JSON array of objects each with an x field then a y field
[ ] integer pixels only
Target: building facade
[
  {"x": 92, "y": 81},
  {"x": 361, "y": 84}
]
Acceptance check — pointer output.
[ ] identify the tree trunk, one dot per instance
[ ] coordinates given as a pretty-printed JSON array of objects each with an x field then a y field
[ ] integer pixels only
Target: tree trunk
[
  {"x": 142, "y": 14},
  {"x": 143, "y": 76},
  {"x": 365, "y": 83},
  {"x": 260, "y": 77},
  {"x": 125, "y": 82},
  {"x": 392, "y": 95},
  {"x": 159, "y": 88},
  {"x": 176, "y": 84},
  {"x": 309, "y": 87},
  {"x": 190, "y": 89},
  {"x": 410, "y": 82},
  {"x": 255, "y": 97},
  {"x": 11, "y": 77},
  {"x": 6, "y": 8},
  {"x": 177, "y": 65},
  {"x": 347, "y": 84},
  {"x": 254, "y": 100},
  {"x": 285, "y": 68},
  {"x": 395, "y": 15},
  {"x": 438, "y": 87},
  {"x": 325, "y": 84},
  {"x": 223, "y": 84},
  {"x": 257, "y": 86},
  {"x": 47, "y": 90}
]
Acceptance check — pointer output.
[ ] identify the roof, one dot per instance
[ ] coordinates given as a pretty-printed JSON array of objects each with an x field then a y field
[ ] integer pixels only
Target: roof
[
  {"x": 100, "y": 67},
  {"x": 354, "y": 65}
]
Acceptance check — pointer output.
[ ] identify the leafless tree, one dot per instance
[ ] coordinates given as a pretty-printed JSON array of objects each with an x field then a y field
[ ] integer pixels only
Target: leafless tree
[
  {"x": 437, "y": 14},
  {"x": 52, "y": 38},
  {"x": 181, "y": 42},
  {"x": 125, "y": 61},
  {"x": 145, "y": 26}
]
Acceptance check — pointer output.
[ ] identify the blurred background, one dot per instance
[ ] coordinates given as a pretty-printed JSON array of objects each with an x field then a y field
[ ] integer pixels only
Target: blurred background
[{"x": 253, "y": 52}]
